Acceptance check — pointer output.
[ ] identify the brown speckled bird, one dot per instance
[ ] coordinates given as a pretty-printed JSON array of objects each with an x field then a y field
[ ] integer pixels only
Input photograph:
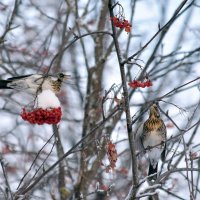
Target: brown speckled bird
[
  {"x": 151, "y": 137},
  {"x": 35, "y": 83}
]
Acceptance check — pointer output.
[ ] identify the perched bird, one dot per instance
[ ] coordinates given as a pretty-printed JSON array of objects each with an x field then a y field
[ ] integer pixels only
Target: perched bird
[
  {"x": 151, "y": 137},
  {"x": 35, "y": 83}
]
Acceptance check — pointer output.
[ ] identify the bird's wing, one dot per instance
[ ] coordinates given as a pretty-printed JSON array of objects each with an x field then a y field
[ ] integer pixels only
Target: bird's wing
[
  {"x": 32, "y": 83},
  {"x": 18, "y": 77},
  {"x": 28, "y": 82},
  {"x": 163, "y": 154},
  {"x": 138, "y": 138}
]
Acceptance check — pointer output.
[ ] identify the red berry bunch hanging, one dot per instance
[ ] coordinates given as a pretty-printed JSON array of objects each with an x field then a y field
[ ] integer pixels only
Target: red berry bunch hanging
[
  {"x": 135, "y": 84},
  {"x": 121, "y": 23},
  {"x": 112, "y": 156},
  {"x": 42, "y": 116}
]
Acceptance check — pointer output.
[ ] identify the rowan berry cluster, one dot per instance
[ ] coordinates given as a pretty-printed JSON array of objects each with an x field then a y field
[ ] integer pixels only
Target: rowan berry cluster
[
  {"x": 121, "y": 23},
  {"x": 135, "y": 84},
  {"x": 112, "y": 156},
  {"x": 42, "y": 116}
]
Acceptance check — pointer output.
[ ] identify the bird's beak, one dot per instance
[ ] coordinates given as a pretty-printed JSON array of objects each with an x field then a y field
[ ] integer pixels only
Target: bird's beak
[{"x": 66, "y": 77}]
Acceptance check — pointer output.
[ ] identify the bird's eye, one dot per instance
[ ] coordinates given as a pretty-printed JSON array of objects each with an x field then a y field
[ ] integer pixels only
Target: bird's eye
[{"x": 61, "y": 75}]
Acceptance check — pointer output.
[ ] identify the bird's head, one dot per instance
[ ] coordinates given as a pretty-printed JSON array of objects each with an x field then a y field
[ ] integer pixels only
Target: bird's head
[
  {"x": 63, "y": 76},
  {"x": 154, "y": 112}
]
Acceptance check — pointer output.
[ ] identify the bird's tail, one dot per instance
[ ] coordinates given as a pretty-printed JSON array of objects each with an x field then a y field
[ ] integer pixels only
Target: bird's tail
[
  {"x": 3, "y": 84},
  {"x": 153, "y": 170}
]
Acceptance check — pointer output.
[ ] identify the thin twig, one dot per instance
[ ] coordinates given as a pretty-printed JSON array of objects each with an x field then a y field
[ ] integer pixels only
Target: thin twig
[
  {"x": 126, "y": 103},
  {"x": 5, "y": 176},
  {"x": 76, "y": 38},
  {"x": 166, "y": 26},
  {"x": 22, "y": 179},
  {"x": 37, "y": 180},
  {"x": 171, "y": 171},
  {"x": 10, "y": 22}
]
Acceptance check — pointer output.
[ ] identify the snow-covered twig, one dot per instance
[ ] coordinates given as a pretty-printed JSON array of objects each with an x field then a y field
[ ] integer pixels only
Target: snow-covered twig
[
  {"x": 149, "y": 191},
  {"x": 146, "y": 178},
  {"x": 155, "y": 186},
  {"x": 146, "y": 194}
]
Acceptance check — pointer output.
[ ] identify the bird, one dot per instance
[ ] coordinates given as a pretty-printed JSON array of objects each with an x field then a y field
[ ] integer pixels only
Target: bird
[
  {"x": 151, "y": 138},
  {"x": 35, "y": 83}
]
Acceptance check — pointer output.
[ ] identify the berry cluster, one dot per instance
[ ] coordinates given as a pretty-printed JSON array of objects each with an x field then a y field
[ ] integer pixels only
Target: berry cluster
[
  {"x": 121, "y": 23},
  {"x": 112, "y": 156},
  {"x": 42, "y": 116},
  {"x": 135, "y": 84}
]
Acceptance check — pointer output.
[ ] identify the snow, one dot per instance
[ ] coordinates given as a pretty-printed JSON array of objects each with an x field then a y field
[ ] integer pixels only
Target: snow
[{"x": 47, "y": 99}]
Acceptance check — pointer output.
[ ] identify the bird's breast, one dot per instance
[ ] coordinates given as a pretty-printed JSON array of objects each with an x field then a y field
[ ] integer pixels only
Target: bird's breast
[{"x": 153, "y": 139}]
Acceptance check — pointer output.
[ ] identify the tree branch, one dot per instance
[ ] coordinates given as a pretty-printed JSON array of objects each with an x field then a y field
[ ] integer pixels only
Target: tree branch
[{"x": 126, "y": 102}]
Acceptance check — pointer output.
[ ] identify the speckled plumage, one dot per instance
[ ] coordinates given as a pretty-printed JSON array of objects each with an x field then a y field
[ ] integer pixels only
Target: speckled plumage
[{"x": 152, "y": 136}]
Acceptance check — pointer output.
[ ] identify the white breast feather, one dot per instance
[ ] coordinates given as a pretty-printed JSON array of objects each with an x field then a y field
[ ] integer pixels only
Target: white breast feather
[{"x": 152, "y": 140}]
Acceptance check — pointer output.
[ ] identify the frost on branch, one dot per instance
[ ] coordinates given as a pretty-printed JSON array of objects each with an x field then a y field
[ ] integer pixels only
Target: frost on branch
[{"x": 47, "y": 110}]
